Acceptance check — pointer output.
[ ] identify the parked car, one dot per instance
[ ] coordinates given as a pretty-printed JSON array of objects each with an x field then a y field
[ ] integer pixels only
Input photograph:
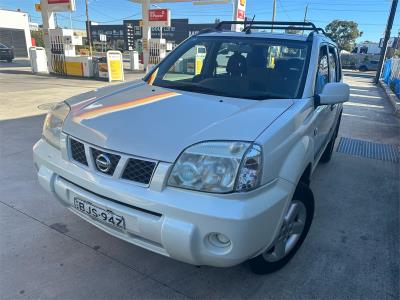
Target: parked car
[
  {"x": 6, "y": 53},
  {"x": 370, "y": 65},
  {"x": 208, "y": 163}
]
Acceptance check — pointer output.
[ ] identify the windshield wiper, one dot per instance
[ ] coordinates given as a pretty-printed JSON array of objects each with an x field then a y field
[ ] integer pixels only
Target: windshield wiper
[
  {"x": 267, "y": 96},
  {"x": 190, "y": 88},
  {"x": 206, "y": 90}
]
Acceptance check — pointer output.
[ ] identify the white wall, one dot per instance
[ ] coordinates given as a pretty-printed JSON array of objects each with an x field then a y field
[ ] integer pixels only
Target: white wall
[{"x": 16, "y": 20}]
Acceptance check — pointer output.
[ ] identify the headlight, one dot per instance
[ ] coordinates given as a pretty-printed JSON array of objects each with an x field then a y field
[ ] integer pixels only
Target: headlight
[
  {"x": 53, "y": 124},
  {"x": 218, "y": 167}
]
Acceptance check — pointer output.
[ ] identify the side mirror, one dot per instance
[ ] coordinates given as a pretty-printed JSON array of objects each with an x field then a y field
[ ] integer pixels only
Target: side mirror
[{"x": 334, "y": 92}]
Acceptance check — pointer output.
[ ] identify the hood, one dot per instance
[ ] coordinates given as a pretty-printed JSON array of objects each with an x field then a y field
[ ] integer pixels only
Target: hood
[{"x": 158, "y": 123}]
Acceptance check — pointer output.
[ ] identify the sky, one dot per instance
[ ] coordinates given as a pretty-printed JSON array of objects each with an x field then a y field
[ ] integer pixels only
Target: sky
[{"x": 371, "y": 15}]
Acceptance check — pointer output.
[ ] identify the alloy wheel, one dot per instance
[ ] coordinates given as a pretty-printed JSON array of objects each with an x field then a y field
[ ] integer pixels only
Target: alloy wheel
[{"x": 290, "y": 233}]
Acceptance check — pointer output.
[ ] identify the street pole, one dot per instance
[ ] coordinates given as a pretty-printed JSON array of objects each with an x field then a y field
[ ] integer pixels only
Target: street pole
[
  {"x": 146, "y": 33},
  {"x": 88, "y": 33},
  {"x": 386, "y": 39},
  {"x": 305, "y": 16},
  {"x": 273, "y": 14}
]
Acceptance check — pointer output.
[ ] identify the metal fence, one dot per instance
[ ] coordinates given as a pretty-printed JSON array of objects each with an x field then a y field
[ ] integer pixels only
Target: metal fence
[{"x": 391, "y": 74}]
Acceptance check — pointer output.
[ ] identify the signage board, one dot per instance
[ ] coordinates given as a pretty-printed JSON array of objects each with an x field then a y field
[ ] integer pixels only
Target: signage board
[
  {"x": 239, "y": 13},
  {"x": 160, "y": 17},
  {"x": 102, "y": 38},
  {"x": 38, "y": 7},
  {"x": 115, "y": 66},
  {"x": 61, "y": 5}
]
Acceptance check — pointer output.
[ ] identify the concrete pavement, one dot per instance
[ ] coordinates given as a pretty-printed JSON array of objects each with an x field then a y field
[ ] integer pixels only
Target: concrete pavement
[
  {"x": 352, "y": 250},
  {"x": 39, "y": 91}
]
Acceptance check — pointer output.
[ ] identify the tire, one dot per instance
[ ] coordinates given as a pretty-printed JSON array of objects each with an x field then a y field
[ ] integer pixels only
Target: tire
[
  {"x": 327, "y": 155},
  {"x": 363, "y": 69},
  {"x": 9, "y": 60},
  {"x": 268, "y": 262}
]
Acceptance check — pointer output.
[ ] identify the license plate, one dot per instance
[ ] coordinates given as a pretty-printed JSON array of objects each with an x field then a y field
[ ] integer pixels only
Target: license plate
[{"x": 102, "y": 215}]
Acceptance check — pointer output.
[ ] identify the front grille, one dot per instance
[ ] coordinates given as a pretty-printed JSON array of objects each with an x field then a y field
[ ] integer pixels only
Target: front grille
[
  {"x": 114, "y": 159},
  {"x": 78, "y": 152},
  {"x": 139, "y": 170},
  {"x": 135, "y": 170}
]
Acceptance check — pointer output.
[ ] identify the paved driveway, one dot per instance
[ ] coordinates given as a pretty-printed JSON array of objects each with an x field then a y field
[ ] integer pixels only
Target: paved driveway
[{"x": 352, "y": 250}]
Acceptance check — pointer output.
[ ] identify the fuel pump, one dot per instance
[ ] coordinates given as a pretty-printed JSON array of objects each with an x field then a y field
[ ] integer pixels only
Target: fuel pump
[{"x": 157, "y": 50}]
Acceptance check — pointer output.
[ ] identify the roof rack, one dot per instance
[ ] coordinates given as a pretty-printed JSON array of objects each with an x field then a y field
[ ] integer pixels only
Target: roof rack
[{"x": 248, "y": 25}]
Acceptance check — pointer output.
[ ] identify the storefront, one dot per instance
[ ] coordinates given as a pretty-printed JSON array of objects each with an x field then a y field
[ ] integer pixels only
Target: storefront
[
  {"x": 130, "y": 32},
  {"x": 14, "y": 31}
]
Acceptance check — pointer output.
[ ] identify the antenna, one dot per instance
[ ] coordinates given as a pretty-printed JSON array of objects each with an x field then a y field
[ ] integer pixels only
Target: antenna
[{"x": 248, "y": 29}]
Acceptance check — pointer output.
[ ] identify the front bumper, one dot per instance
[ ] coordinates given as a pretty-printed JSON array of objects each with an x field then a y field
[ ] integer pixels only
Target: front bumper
[{"x": 172, "y": 222}]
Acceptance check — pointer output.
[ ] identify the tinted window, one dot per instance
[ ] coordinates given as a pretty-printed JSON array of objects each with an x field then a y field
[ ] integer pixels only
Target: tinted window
[
  {"x": 243, "y": 68},
  {"x": 364, "y": 49}
]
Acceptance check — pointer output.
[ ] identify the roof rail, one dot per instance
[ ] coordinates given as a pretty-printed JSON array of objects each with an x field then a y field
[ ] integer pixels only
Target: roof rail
[{"x": 271, "y": 25}]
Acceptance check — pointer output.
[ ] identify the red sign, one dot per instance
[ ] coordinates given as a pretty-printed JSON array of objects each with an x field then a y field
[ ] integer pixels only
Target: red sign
[
  {"x": 57, "y": 1},
  {"x": 240, "y": 14},
  {"x": 156, "y": 15}
]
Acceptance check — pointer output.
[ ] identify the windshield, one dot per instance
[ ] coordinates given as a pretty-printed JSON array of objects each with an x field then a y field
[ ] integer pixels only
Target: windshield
[
  {"x": 252, "y": 68},
  {"x": 2, "y": 46}
]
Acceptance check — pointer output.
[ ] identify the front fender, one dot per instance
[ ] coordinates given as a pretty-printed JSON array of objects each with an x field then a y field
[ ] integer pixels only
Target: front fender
[{"x": 297, "y": 160}]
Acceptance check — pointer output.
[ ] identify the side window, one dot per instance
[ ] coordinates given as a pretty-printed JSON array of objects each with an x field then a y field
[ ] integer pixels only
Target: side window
[
  {"x": 323, "y": 70},
  {"x": 189, "y": 65},
  {"x": 333, "y": 65}
]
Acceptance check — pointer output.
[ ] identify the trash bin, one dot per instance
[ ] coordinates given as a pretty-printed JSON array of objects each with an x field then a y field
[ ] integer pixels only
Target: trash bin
[
  {"x": 134, "y": 58},
  {"x": 38, "y": 60}
]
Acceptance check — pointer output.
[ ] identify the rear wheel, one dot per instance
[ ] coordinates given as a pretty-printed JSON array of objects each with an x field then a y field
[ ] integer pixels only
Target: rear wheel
[
  {"x": 9, "y": 60},
  {"x": 363, "y": 68},
  {"x": 296, "y": 224}
]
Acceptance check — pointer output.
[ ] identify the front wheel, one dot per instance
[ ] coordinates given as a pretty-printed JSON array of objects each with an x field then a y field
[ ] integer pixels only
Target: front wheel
[
  {"x": 9, "y": 60},
  {"x": 296, "y": 224}
]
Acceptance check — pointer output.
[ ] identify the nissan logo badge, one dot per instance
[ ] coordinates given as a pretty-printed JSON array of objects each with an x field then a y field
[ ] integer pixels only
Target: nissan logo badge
[{"x": 103, "y": 163}]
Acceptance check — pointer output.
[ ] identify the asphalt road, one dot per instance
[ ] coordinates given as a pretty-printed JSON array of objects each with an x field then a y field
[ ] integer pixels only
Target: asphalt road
[{"x": 351, "y": 252}]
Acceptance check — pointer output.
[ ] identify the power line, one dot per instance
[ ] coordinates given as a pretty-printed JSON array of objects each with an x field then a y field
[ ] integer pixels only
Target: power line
[
  {"x": 353, "y": 10},
  {"x": 283, "y": 9},
  {"x": 121, "y": 19}
]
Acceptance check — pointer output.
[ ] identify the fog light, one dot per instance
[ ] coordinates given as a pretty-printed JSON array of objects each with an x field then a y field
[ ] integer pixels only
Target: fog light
[{"x": 219, "y": 240}]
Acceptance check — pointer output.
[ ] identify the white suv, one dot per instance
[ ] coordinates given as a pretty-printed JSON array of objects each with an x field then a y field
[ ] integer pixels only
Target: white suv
[{"x": 208, "y": 159}]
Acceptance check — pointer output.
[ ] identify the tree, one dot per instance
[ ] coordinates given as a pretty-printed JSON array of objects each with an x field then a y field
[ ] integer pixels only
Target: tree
[
  {"x": 38, "y": 36},
  {"x": 344, "y": 33}
]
